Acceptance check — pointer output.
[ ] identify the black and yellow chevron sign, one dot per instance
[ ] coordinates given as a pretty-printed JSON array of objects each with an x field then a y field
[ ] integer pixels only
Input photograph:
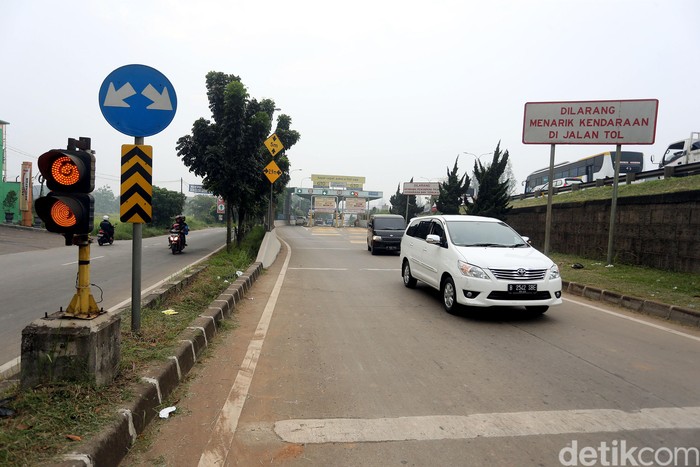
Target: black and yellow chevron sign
[{"x": 137, "y": 184}]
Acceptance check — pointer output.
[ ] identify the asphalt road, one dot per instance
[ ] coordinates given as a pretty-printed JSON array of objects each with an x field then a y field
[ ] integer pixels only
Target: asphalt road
[
  {"x": 39, "y": 274},
  {"x": 335, "y": 362}
]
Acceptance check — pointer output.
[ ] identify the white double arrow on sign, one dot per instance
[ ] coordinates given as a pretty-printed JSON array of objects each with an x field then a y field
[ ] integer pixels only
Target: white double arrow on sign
[{"x": 115, "y": 98}]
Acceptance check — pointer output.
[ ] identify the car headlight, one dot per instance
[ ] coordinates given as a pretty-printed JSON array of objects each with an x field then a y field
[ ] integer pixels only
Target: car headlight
[
  {"x": 470, "y": 270},
  {"x": 554, "y": 272},
  {"x": 377, "y": 238}
]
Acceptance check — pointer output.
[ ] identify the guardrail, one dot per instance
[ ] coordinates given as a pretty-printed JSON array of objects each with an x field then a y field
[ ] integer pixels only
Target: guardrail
[{"x": 627, "y": 178}]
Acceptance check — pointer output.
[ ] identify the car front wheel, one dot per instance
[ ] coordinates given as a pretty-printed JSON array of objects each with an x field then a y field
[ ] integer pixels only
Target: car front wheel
[
  {"x": 408, "y": 280},
  {"x": 449, "y": 295}
]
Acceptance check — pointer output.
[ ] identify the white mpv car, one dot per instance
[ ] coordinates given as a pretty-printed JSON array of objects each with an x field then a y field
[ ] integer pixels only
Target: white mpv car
[{"x": 478, "y": 261}]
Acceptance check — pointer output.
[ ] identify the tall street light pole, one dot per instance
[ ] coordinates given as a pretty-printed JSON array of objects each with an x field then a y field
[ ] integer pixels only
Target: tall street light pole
[
  {"x": 478, "y": 158},
  {"x": 292, "y": 171}
]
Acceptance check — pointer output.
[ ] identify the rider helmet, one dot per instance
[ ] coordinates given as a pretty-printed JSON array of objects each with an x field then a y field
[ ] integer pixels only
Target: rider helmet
[{"x": 105, "y": 218}]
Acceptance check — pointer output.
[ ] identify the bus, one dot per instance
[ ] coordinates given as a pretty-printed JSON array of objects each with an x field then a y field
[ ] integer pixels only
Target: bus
[{"x": 588, "y": 169}]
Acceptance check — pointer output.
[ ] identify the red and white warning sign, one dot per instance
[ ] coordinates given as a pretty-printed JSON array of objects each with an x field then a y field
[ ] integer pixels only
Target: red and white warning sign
[{"x": 591, "y": 122}]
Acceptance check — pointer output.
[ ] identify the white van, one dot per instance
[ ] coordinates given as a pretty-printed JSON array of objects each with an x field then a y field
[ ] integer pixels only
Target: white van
[{"x": 478, "y": 261}]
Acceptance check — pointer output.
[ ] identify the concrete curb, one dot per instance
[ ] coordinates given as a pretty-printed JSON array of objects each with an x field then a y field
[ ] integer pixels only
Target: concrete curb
[
  {"x": 673, "y": 313},
  {"x": 111, "y": 445}
]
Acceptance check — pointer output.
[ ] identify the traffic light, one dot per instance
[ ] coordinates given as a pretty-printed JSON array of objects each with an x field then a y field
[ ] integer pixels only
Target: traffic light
[
  {"x": 354, "y": 193},
  {"x": 324, "y": 192},
  {"x": 69, "y": 208}
]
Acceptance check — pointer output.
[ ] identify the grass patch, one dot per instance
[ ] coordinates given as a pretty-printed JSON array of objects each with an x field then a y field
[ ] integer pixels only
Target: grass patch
[
  {"x": 649, "y": 187},
  {"x": 51, "y": 419},
  {"x": 125, "y": 230},
  {"x": 673, "y": 288}
]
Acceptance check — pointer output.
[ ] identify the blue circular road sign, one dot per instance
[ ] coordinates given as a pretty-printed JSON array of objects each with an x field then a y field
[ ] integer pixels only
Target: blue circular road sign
[{"x": 137, "y": 100}]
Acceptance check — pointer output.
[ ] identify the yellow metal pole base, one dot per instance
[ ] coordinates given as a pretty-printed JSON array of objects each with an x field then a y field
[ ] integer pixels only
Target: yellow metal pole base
[
  {"x": 83, "y": 304},
  {"x": 75, "y": 310}
]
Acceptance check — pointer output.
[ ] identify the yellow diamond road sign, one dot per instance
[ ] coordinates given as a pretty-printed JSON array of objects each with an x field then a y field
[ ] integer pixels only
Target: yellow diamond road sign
[
  {"x": 272, "y": 171},
  {"x": 274, "y": 145}
]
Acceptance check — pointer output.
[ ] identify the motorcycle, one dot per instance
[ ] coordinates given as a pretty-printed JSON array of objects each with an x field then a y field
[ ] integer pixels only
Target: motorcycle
[
  {"x": 103, "y": 237},
  {"x": 176, "y": 241}
]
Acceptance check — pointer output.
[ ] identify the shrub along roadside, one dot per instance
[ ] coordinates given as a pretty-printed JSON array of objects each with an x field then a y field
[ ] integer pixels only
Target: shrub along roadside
[{"x": 50, "y": 419}]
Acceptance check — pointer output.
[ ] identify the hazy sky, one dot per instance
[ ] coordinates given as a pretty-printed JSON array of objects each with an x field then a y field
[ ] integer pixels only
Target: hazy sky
[{"x": 383, "y": 89}]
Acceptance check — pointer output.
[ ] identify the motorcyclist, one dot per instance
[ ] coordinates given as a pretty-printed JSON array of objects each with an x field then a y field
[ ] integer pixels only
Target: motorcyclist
[
  {"x": 181, "y": 226},
  {"x": 107, "y": 227}
]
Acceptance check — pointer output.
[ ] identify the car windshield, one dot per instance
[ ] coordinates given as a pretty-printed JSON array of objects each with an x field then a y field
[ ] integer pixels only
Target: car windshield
[
  {"x": 484, "y": 234},
  {"x": 389, "y": 224}
]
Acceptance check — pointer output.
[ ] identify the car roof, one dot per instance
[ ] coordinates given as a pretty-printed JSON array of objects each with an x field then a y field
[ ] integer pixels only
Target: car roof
[{"x": 457, "y": 218}]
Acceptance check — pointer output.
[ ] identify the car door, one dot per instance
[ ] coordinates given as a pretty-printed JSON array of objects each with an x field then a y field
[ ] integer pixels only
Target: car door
[
  {"x": 434, "y": 255},
  {"x": 416, "y": 246}
]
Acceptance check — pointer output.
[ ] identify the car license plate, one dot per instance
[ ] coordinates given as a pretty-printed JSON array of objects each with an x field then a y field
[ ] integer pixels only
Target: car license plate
[{"x": 522, "y": 288}]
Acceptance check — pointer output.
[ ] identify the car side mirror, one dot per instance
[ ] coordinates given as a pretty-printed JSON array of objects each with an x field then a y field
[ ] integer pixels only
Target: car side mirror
[{"x": 433, "y": 239}]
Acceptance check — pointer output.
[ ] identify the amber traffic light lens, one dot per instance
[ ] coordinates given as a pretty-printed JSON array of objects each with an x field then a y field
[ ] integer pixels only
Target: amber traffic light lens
[
  {"x": 62, "y": 215},
  {"x": 65, "y": 171}
]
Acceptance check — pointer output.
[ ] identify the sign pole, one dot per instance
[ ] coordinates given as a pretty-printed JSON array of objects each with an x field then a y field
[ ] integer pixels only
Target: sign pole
[
  {"x": 550, "y": 192},
  {"x": 144, "y": 117},
  {"x": 269, "y": 211},
  {"x": 136, "y": 268},
  {"x": 613, "y": 203}
]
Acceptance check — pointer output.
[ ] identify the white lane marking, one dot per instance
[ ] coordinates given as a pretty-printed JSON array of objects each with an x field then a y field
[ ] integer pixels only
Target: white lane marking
[
  {"x": 343, "y": 249},
  {"x": 438, "y": 427},
  {"x": 345, "y": 269},
  {"x": 227, "y": 421},
  {"x": 319, "y": 269},
  {"x": 75, "y": 262},
  {"x": 636, "y": 320}
]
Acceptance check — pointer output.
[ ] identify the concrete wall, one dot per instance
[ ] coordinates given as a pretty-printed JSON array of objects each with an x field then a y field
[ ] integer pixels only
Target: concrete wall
[{"x": 660, "y": 231}]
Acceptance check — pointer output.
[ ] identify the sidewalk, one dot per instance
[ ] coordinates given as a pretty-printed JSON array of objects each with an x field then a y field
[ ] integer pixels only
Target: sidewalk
[{"x": 16, "y": 239}]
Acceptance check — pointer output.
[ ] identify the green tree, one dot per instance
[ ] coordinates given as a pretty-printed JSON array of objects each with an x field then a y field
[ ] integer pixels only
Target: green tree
[
  {"x": 398, "y": 204},
  {"x": 166, "y": 205},
  {"x": 202, "y": 207},
  {"x": 452, "y": 191},
  {"x": 105, "y": 200},
  {"x": 494, "y": 191},
  {"x": 228, "y": 153}
]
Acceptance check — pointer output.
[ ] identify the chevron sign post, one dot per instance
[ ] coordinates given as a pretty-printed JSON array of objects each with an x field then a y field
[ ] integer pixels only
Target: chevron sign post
[{"x": 136, "y": 188}]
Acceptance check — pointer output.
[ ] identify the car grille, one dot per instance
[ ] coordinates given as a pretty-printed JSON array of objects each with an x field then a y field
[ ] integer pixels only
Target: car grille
[
  {"x": 502, "y": 295},
  {"x": 521, "y": 274}
]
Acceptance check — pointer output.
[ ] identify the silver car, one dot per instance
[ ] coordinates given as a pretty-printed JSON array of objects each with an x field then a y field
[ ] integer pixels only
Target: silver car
[{"x": 478, "y": 261}]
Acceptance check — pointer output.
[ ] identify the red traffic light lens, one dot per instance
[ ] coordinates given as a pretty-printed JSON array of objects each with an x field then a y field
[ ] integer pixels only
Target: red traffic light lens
[
  {"x": 65, "y": 171},
  {"x": 62, "y": 215},
  {"x": 68, "y": 171}
]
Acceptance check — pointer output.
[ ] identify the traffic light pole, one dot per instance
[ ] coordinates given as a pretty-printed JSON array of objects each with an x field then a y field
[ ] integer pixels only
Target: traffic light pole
[
  {"x": 136, "y": 268},
  {"x": 83, "y": 304}
]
